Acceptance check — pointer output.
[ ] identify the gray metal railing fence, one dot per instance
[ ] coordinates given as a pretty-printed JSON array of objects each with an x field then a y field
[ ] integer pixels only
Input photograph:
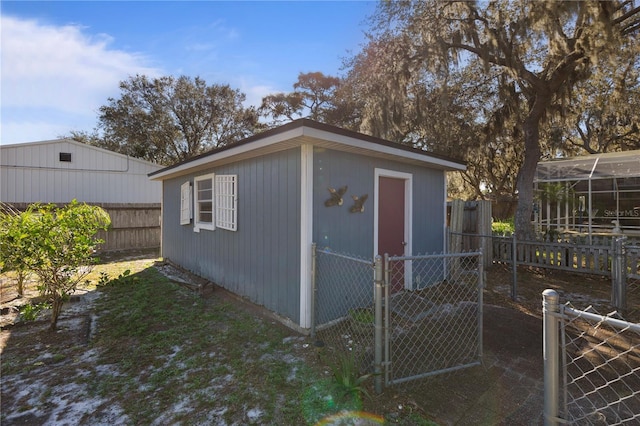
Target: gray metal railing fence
[
  {"x": 591, "y": 366},
  {"x": 632, "y": 258},
  {"x": 421, "y": 316},
  {"x": 615, "y": 257}
]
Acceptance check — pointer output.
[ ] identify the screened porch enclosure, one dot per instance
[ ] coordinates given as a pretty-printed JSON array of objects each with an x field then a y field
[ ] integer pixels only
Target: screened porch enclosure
[{"x": 597, "y": 194}]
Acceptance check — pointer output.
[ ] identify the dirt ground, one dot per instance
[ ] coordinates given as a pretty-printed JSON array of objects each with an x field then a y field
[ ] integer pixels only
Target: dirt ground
[{"x": 506, "y": 390}]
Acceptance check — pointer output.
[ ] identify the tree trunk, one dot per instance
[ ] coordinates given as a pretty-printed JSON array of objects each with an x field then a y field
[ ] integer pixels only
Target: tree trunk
[
  {"x": 531, "y": 127},
  {"x": 56, "y": 307},
  {"x": 20, "y": 284}
]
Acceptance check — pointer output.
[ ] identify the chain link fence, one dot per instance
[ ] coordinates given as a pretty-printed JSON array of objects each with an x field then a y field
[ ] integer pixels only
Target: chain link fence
[
  {"x": 344, "y": 306},
  {"x": 592, "y": 366},
  {"x": 433, "y": 318}
]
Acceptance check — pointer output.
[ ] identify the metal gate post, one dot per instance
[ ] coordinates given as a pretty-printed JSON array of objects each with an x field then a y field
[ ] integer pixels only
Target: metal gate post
[
  {"x": 481, "y": 283},
  {"x": 619, "y": 275},
  {"x": 313, "y": 290},
  {"x": 550, "y": 351},
  {"x": 378, "y": 284},
  {"x": 387, "y": 302},
  {"x": 514, "y": 266}
]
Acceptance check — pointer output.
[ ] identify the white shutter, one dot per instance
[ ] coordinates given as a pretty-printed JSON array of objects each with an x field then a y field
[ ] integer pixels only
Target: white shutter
[
  {"x": 226, "y": 204},
  {"x": 186, "y": 200}
]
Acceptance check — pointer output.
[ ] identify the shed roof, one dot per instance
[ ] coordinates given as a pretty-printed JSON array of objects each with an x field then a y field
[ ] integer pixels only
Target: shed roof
[
  {"x": 305, "y": 131},
  {"x": 595, "y": 166}
]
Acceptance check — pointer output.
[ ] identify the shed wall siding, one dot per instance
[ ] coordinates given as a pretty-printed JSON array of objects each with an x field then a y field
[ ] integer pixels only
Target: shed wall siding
[
  {"x": 261, "y": 260},
  {"x": 353, "y": 233},
  {"x": 35, "y": 173}
]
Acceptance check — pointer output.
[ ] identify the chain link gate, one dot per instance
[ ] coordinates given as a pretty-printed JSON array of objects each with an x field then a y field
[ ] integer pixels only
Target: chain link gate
[
  {"x": 433, "y": 315},
  {"x": 402, "y": 318}
]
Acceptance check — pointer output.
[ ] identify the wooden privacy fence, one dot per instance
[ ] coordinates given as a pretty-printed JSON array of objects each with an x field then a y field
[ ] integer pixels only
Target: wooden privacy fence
[
  {"x": 133, "y": 226},
  {"x": 467, "y": 220}
]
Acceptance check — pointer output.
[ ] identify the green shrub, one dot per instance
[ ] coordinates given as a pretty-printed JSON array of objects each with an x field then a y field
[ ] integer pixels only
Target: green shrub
[
  {"x": 30, "y": 312},
  {"x": 346, "y": 373},
  {"x": 61, "y": 243},
  {"x": 362, "y": 315},
  {"x": 503, "y": 228}
]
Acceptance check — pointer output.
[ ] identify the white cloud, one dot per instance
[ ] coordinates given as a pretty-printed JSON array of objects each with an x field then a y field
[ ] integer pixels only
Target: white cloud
[
  {"x": 61, "y": 69},
  {"x": 255, "y": 93}
]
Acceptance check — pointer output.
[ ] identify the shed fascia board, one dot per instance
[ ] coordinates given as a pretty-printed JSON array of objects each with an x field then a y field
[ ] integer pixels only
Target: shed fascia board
[
  {"x": 297, "y": 133},
  {"x": 416, "y": 155},
  {"x": 82, "y": 145},
  {"x": 254, "y": 149}
]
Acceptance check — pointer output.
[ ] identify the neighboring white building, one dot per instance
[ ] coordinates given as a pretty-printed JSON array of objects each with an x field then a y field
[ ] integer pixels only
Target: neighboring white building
[{"x": 58, "y": 171}]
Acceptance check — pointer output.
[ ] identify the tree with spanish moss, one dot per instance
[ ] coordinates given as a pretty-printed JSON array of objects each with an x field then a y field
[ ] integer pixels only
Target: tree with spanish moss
[
  {"x": 538, "y": 52},
  {"x": 605, "y": 113}
]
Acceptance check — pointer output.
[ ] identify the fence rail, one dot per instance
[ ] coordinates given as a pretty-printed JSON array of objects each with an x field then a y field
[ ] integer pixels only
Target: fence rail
[
  {"x": 591, "y": 366},
  {"x": 592, "y": 259}
]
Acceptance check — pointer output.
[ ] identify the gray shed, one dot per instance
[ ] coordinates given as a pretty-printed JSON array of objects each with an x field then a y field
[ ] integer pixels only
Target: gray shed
[{"x": 245, "y": 216}]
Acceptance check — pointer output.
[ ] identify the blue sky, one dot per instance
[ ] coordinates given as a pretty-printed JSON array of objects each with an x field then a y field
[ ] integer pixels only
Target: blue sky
[{"x": 62, "y": 60}]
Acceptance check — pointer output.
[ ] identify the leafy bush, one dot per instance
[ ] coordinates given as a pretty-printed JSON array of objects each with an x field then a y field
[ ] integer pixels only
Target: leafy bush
[
  {"x": 362, "y": 315},
  {"x": 58, "y": 245},
  {"x": 30, "y": 312},
  {"x": 15, "y": 245},
  {"x": 503, "y": 228}
]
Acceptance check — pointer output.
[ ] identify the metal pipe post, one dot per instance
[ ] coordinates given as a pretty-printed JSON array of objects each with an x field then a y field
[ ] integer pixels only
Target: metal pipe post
[
  {"x": 514, "y": 267},
  {"x": 550, "y": 351},
  {"x": 481, "y": 281},
  {"x": 619, "y": 275},
  {"x": 379, "y": 284},
  {"x": 313, "y": 290},
  {"x": 387, "y": 303}
]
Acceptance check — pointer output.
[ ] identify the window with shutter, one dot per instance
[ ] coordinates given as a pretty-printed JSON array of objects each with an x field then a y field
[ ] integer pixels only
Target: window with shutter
[
  {"x": 203, "y": 193},
  {"x": 226, "y": 201},
  {"x": 186, "y": 201}
]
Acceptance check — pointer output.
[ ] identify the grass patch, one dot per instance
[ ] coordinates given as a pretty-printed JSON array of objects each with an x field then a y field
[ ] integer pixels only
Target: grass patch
[
  {"x": 201, "y": 356},
  {"x": 159, "y": 353}
]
